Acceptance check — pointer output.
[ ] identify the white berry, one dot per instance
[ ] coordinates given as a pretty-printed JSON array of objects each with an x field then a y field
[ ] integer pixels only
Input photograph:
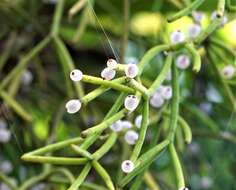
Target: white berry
[
  {"x": 223, "y": 21},
  {"x": 117, "y": 126},
  {"x": 127, "y": 166},
  {"x": 228, "y": 72},
  {"x": 111, "y": 63},
  {"x": 3, "y": 124},
  {"x": 126, "y": 124},
  {"x": 194, "y": 30},
  {"x": 26, "y": 77},
  {"x": 157, "y": 100},
  {"x": 131, "y": 70},
  {"x": 177, "y": 37},
  {"x": 167, "y": 92},
  {"x": 6, "y": 167},
  {"x": 108, "y": 74},
  {"x": 183, "y": 61},
  {"x": 131, "y": 102},
  {"x": 5, "y": 135},
  {"x": 198, "y": 16},
  {"x": 138, "y": 121},
  {"x": 73, "y": 106},
  {"x": 131, "y": 137},
  {"x": 183, "y": 188},
  {"x": 76, "y": 75}
]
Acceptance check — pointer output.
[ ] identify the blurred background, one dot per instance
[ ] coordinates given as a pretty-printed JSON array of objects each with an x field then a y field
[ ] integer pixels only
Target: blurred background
[{"x": 32, "y": 103}]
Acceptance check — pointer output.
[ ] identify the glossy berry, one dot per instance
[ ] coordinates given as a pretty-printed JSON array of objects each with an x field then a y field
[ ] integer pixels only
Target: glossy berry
[
  {"x": 117, "y": 126},
  {"x": 183, "y": 188},
  {"x": 131, "y": 70},
  {"x": 183, "y": 61},
  {"x": 108, "y": 74},
  {"x": 131, "y": 102},
  {"x": 131, "y": 137},
  {"x": 198, "y": 16},
  {"x": 73, "y": 106},
  {"x": 177, "y": 37},
  {"x": 223, "y": 21},
  {"x": 194, "y": 30},
  {"x": 126, "y": 124},
  {"x": 228, "y": 72},
  {"x": 127, "y": 166},
  {"x": 6, "y": 167},
  {"x": 167, "y": 92},
  {"x": 112, "y": 63},
  {"x": 138, "y": 121},
  {"x": 5, "y": 135},
  {"x": 157, "y": 100},
  {"x": 76, "y": 75},
  {"x": 26, "y": 77}
]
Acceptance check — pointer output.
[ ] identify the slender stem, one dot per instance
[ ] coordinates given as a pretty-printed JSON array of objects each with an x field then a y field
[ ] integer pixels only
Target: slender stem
[
  {"x": 174, "y": 103},
  {"x": 186, "y": 11},
  {"x": 106, "y": 123},
  {"x": 77, "y": 183},
  {"x": 16, "y": 106},
  {"x": 142, "y": 133},
  {"x": 106, "y": 83},
  {"x": 103, "y": 173},
  {"x": 177, "y": 166},
  {"x": 162, "y": 75},
  {"x": 82, "y": 152},
  {"x": 126, "y": 6},
  {"x": 7, "y": 181},
  {"x": 57, "y": 17},
  {"x": 24, "y": 61},
  {"x": 221, "y": 8},
  {"x": 77, "y": 7},
  {"x": 150, "y": 181},
  {"x": 139, "y": 87},
  {"x": 196, "y": 57}
]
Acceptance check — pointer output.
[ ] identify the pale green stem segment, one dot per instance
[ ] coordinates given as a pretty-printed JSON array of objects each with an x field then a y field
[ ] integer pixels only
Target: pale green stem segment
[
  {"x": 230, "y": 7},
  {"x": 106, "y": 123},
  {"x": 82, "y": 152},
  {"x": 57, "y": 17},
  {"x": 67, "y": 64},
  {"x": 143, "y": 162},
  {"x": 185, "y": 127},
  {"x": 162, "y": 75},
  {"x": 196, "y": 57},
  {"x": 103, "y": 173},
  {"x": 208, "y": 31},
  {"x": 77, "y": 7},
  {"x": 139, "y": 87},
  {"x": 98, "y": 91},
  {"x": 81, "y": 177},
  {"x": 106, "y": 83},
  {"x": 24, "y": 61},
  {"x": 174, "y": 103},
  {"x": 16, "y": 106},
  {"x": 105, "y": 147},
  {"x": 7, "y": 181},
  {"x": 177, "y": 166},
  {"x": 186, "y": 11},
  {"x": 221, "y": 8},
  {"x": 142, "y": 134}
]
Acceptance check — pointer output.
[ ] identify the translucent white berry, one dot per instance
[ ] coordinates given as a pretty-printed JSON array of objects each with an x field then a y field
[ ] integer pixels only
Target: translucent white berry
[
  {"x": 224, "y": 19},
  {"x": 127, "y": 166},
  {"x": 111, "y": 63},
  {"x": 198, "y": 16},
  {"x": 76, "y": 75},
  {"x": 157, "y": 100},
  {"x": 6, "y": 167},
  {"x": 73, "y": 106},
  {"x": 131, "y": 102},
  {"x": 3, "y": 124},
  {"x": 183, "y": 61},
  {"x": 117, "y": 126},
  {"x": 138, "y": 121},
  {"x": 194, "y": 30},
  {"x": 131, "y": 70},
  {"x": 167, "y": 92},
  {"x": 126, "y": 124},
  {"x": 183, "y": 188},
  {"x": 26, "y": 77},
  {"x": 131, "y": 137},
  {"x": 206, "y": 182},
  {"x": 177, "y": 37},
  {"x": 228, "y": 72},
  {"x": 5, "y": 135},
  {"x": 108, "y": 74}
]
